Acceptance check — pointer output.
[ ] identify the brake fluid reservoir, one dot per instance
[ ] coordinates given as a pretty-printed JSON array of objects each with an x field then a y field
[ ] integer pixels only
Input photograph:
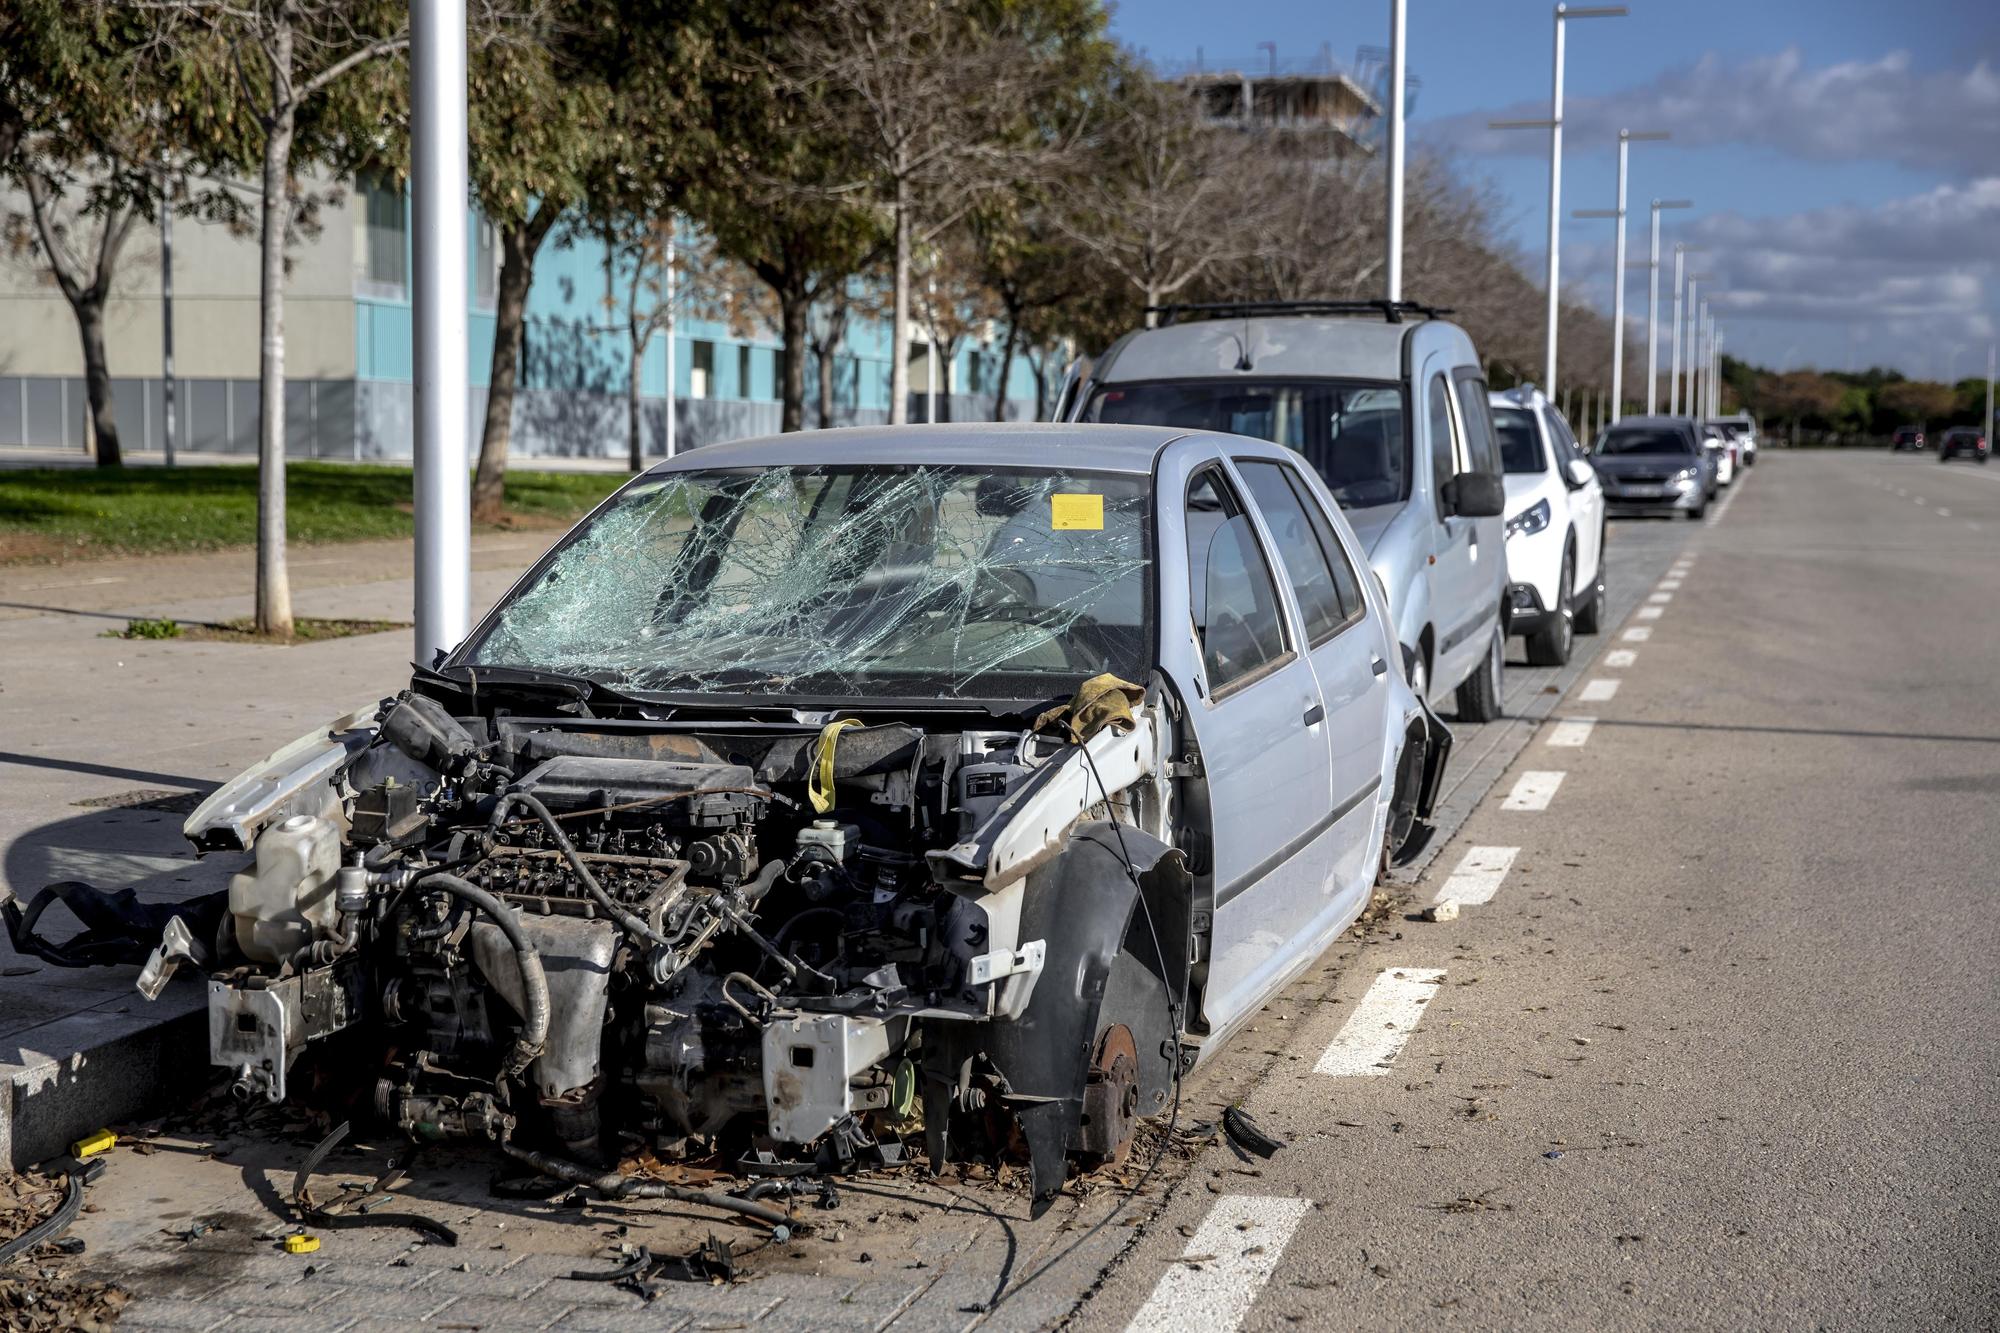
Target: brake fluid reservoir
[{"x": 288, "y": 898}]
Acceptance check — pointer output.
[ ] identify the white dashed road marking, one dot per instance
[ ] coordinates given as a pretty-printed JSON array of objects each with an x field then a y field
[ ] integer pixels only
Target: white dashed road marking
[
  {"x": 1637, "y": 634},
  {"x": 1478, "y": 875},
  {"x": 1944, "y": 513},
  {"x": 1572, "y": 732},
  {"x": 1533, "y": 791},
  {"x": 1237, "y": 1247},
  {"x": 1670, "y": 585},
  {"x": 1649, "y": 612},
  {"x": 1659, "y": 598},
  {"x": 1920, "y": 499},
  {"x": 1381, "y": 1022},
  {"x": 1620, "y": 657},
  {"x": 1598, "y": 691}
]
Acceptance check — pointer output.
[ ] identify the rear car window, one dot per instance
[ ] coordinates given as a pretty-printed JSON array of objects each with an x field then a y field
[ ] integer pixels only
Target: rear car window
[
  {"x": 1351, "y": 432},
  {"x": 1520, "y": 442},
  {"x": 1235, "y": 601},
  {"x": 1305, "y": 560},
  {"x": 1643, "y": 440}
]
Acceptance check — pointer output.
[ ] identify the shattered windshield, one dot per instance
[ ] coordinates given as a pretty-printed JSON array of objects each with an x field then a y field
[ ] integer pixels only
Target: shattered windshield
[
  {"x": 1351, "y": 433},
  {"x": 885, "y": 580}
]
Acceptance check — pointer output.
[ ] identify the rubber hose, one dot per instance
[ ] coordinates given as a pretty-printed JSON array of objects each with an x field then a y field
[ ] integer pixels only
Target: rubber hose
[
  {"x": 534, "y": 982},
  {"x": 632, "y": 924},
  {"x": 612, "y": 1185}
]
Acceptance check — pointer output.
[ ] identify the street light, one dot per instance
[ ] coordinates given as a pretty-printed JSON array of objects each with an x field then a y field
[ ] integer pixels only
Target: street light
[
  {"x": 1695, "y": 281},
  {"x": 1653, "y": 304},
  {"x": 1625, "y": 138},
  {"x": 1697, "y": 322},
  {"x": 1554, "y": 125},
  {"x": 438, "y": 193},
  {"x": 1398, "y": 35}
]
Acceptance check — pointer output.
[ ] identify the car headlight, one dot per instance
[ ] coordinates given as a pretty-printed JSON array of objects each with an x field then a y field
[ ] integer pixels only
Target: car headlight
[
  {"x": 1529, "y": 521},
  {"x": 1687, "y": 478}
]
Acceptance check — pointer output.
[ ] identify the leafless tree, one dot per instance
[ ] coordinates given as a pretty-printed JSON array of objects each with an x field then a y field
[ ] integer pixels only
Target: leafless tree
[
  {"x": 928, "y": 96},
  {"x": 1158, "y": 197},
  {"x": 282, "y": 58}
]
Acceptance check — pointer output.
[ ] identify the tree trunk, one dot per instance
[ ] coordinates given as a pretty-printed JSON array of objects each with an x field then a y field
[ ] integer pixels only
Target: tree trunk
[
  {"x": 97, "y": 381},
  {"x": 1006, "y": 371},
  {"x": 274, "y": 590},
  {"x": 1040, "y": 366},
  {"x": 792, "y": 309},
  {"x": 635, "y": 423},
  {"x": 946, "y": 363},
  {"x": 826, "y": 352},
  {"x": 518, "y": 244},
  {"x": 899, "y": 327}
]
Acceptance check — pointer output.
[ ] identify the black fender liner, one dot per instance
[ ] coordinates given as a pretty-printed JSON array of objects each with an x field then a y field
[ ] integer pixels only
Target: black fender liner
[{"x": 1100, "y": 967}]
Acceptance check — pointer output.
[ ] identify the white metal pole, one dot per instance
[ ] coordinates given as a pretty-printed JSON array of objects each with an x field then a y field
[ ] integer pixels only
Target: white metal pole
[
  {"x": 1398, "y": 35},
  {"x": 1674, "y": 380},
  {"x": 1555, "y": 208},
  {"x": 1653, "y": 317},
  {"x": 438, "y": 193},
  {"x": 1693, "y": 324},
  {"x": 1618, "y": 288},
  {"x": 672, "y": 439}
]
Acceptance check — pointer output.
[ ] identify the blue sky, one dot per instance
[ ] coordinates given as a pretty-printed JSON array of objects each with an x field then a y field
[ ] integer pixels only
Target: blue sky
[{"x": 1844, "y": 155}]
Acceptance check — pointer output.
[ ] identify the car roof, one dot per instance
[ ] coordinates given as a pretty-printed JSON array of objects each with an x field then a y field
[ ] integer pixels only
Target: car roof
[
  {"x": 1305, "y": 346},
  {"x": 1075, "y": 446},
  {"x": 1658, "y": 422}
]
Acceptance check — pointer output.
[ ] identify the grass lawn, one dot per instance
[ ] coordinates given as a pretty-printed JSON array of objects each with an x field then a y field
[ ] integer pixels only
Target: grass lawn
[{"x": 75, "y": 513}]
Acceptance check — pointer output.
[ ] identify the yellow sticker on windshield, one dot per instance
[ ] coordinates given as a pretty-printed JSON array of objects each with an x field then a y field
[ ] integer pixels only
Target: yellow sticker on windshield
[{"x": 1076, "y": 513}]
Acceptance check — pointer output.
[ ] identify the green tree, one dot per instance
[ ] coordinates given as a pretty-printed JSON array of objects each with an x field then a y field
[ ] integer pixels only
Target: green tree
[
  {"x": 538, "y": 108},
  {"x": 85, "y": 132},
  {"x": 267, "y": 86}
]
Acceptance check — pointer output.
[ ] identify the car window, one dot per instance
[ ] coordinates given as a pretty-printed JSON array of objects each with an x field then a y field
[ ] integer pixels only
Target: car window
[
  {"x": 1482, "y": 454},
  {"x": 1644, "y": 440},
  {"x": 1350, "y": 432},
  {"x": 1345, "y": 580},
  {"x": 1235, "y": 602},
  {"x": 1299, "y": 548},
  {"x": 1444, "y": 456},
  {"x": 1520, "y": 442}
]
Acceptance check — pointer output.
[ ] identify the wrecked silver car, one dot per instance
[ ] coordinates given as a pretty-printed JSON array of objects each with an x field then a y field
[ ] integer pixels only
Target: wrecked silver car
[{"x": 818, "y": 794}]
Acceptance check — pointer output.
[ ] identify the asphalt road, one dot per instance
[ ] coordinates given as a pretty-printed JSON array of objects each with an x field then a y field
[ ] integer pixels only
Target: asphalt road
[
  {"x": 1720, "y": 1051},
  {"x": 1711, "y": 1043}
]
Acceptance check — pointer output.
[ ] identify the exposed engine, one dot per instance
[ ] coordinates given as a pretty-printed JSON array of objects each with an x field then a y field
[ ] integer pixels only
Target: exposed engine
[{"x": 778, "y": 941}]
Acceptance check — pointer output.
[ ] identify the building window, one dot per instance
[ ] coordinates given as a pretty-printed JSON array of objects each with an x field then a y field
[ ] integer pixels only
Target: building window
[
  {"x": 743, "y": 371},
  {"x": 701, "y": 369},
  {"x": 973, "y": 364},
  {"x": 381, "y": 237},
  {"x": 485, "y": 263}
]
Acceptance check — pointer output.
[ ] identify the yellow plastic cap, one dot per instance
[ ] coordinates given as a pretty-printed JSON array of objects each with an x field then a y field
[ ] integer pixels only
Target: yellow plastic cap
[
  {"x": 93, "y": 1143},
  {"x": 301, "y": 1244}
]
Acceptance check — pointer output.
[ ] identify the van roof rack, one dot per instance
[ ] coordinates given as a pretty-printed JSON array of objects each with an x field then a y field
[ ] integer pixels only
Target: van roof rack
[{"x": 1392, "y": 311}]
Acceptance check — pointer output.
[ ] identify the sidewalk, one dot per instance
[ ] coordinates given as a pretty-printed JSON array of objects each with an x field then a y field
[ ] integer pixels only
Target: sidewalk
[{"x": 106, "y": 745}]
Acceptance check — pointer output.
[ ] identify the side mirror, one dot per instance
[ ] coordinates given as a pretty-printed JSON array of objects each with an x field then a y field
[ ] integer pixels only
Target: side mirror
[
  {"x": 1475, "y": 495},
  {"x": 1580, "y": 473}
]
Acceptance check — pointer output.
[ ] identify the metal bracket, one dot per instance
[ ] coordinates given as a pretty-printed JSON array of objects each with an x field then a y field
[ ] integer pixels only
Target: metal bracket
[{"x": 987, "y": 967}]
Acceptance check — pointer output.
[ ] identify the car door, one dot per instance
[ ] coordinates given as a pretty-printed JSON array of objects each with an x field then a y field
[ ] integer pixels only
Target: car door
[
  {"x": 1353, "y": 675},
  {"x": 1455, "y": 611},
  {"x": 1586, "y": 502},
  {"x": 1261, "y": 725},
  {"x": 1479, "y": 446}
]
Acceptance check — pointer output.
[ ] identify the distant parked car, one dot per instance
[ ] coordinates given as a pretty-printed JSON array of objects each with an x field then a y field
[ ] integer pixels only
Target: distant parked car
[
  {"x": 1388, "y": 404},
  {"x": 1967, "y": 440},
  {"x": 1907, "y": 438},
  {"x": 1722, "y": 450},
  {"x": 1555, "y": 526},
  {"x": 1742, "y": 429},
  {"x": 1655, "y": 465}
]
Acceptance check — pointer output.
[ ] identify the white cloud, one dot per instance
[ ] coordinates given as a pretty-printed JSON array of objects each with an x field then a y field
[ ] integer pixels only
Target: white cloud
[{"x": 1881, "y": 111}]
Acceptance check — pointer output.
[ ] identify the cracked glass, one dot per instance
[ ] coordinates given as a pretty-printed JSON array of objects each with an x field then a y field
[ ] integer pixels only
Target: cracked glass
[{"x": 896, "y": 581}]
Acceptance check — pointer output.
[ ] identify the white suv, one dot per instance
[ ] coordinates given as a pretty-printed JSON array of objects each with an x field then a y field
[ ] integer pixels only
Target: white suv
[{"x": 1555, "y": 527}]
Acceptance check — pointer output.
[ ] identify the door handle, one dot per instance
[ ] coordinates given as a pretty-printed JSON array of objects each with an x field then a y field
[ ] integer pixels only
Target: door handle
[
  {"x": 1378, "y": 666},
  {"x": 1315, "y": 715}
]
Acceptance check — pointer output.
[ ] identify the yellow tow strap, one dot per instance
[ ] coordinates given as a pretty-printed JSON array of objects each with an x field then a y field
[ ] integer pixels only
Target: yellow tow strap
[{"x": 819, "y": 786}]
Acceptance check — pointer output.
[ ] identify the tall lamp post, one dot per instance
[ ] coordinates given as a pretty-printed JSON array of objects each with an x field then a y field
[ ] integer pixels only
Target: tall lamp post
[
  {"x": 438, "y": 197},
  {"x": 1625, "y": 139},
  {"x": 1554, "y": 125},
  {"x": 1398, "y": 43},
  {"x": 1653, "y": 305},
  {"x": 1681, "y": 293}
]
